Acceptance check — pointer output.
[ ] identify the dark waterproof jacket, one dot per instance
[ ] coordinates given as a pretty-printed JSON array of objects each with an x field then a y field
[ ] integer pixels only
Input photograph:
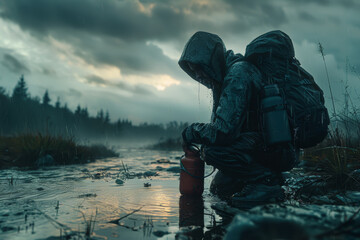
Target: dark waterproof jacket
[{"x": 235, "y": 94}]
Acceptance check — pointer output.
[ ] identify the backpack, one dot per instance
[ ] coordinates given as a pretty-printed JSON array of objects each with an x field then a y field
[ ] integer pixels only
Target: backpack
[{"x": 273, "y": 54}]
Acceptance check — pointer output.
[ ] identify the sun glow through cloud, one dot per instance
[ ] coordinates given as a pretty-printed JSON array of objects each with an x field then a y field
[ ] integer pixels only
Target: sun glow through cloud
[{"x": 160, "y": 82}]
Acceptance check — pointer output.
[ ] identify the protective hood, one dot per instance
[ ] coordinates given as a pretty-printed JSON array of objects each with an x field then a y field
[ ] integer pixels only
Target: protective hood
[
  {"x": 273, "y": 53},
  {"x": 207, "y": 51},
  {"x": 277, "y": 43}
]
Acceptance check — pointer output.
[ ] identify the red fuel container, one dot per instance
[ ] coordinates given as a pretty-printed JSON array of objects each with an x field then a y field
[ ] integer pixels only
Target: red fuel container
[{"x": 192, "y": 174}]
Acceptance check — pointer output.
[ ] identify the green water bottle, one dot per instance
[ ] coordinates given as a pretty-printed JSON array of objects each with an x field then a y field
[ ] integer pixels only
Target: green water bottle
[{"x": 275, "y": 122}]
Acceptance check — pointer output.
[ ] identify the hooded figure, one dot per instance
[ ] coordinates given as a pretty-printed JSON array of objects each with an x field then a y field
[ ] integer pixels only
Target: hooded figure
[
  {"x": 232, "y": 141},
  {"x": 206, "y": 60}
]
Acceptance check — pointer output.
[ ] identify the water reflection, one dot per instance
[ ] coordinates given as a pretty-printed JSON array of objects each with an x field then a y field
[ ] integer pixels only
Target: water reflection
[
  {"x": 191, "y": 215},
  {"x": 191, "y": 212},
  {"x": 67, "y": 193}
]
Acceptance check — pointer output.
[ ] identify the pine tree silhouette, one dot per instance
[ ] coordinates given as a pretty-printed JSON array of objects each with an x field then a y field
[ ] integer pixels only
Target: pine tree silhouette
[
  {"x": 78, "y": 110},
  {"x": 20, "y": 90},
  {"x": 107, "y": 117},
  {"x": 57, "y": 104},
  {"x": 46, "y": 99}
]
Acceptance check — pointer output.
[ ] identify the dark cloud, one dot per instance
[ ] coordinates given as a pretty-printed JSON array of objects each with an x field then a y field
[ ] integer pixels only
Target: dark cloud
[
  {"x": 13, "y": 64},
  {"x": 141, "y": 90},
  {"x": 123, "y": 19},
  {"x": 118, "y": 32},
  {"x": 105, "y": 32},
  {"x": 129, "y": 57}
]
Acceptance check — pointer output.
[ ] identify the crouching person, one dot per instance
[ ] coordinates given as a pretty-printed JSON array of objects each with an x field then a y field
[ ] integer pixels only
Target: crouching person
[{"x": 249, "y": 173}]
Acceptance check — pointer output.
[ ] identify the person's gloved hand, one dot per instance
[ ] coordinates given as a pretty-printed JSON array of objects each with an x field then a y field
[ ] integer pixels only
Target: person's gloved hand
[{"x": 186, "y": 146}]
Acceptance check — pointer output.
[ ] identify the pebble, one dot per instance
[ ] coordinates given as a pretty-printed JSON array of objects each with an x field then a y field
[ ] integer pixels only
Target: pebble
[{"x": 119, "y": 181}]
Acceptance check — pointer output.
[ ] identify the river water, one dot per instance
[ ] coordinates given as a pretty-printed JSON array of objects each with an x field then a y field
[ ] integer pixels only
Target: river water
[{"x": 64, "y": 201}]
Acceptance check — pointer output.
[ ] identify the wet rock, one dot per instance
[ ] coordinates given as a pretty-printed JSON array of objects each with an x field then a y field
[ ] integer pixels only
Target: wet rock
[
  {"x": 259, "y": 227},
  {"x": 159, "y": 168},
  {"x": 45, "y": 161},
  {"x": 173, "y": 169},
  {"x": 97, "y": 175},
  {"x": 150, "y": 174},
  {"x": 87, "y": 195},
  {"x": 119, "y": 181},
  {"x": 159, "y": 233},
  {"x": 7, "y": 228},
  {"x": 147, "y": 184},
  {"x": 313, "y": 219}
]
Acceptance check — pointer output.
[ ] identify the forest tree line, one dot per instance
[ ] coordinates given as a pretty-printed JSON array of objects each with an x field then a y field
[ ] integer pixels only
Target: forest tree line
[{"x": 22, "y": 113}]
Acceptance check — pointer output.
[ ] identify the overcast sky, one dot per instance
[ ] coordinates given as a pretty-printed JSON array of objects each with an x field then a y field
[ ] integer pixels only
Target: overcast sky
[{"x": 121, "y": 55}]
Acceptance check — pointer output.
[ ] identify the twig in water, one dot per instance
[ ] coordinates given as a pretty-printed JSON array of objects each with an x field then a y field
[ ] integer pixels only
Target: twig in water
[
  {"x": 123, "y": 167},
  {"x": 116, "y": 221},
  {"x": 55, "y": 223}
]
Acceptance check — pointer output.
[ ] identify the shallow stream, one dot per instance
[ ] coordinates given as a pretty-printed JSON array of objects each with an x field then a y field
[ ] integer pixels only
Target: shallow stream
[{"x": 67, "y": 201}]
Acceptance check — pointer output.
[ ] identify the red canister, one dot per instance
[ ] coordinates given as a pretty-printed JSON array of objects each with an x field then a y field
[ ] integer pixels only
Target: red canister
[{"x": 192, "y": 173}]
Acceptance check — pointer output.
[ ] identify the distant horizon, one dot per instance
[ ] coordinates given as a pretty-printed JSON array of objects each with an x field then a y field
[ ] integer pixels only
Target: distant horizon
[{"x": 52, "y": 103}]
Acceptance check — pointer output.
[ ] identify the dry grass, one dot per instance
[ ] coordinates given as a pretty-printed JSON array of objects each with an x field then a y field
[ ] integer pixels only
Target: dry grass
[
  {"x": 25, "y": 149},
  {"x": 336, "y": 161},
  {"x": 89, "y": 224},
  {"x": 338, "y": 156}
]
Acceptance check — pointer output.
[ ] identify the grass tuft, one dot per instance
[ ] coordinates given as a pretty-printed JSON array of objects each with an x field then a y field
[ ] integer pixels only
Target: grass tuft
[{"x": 25, "y": 150}]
